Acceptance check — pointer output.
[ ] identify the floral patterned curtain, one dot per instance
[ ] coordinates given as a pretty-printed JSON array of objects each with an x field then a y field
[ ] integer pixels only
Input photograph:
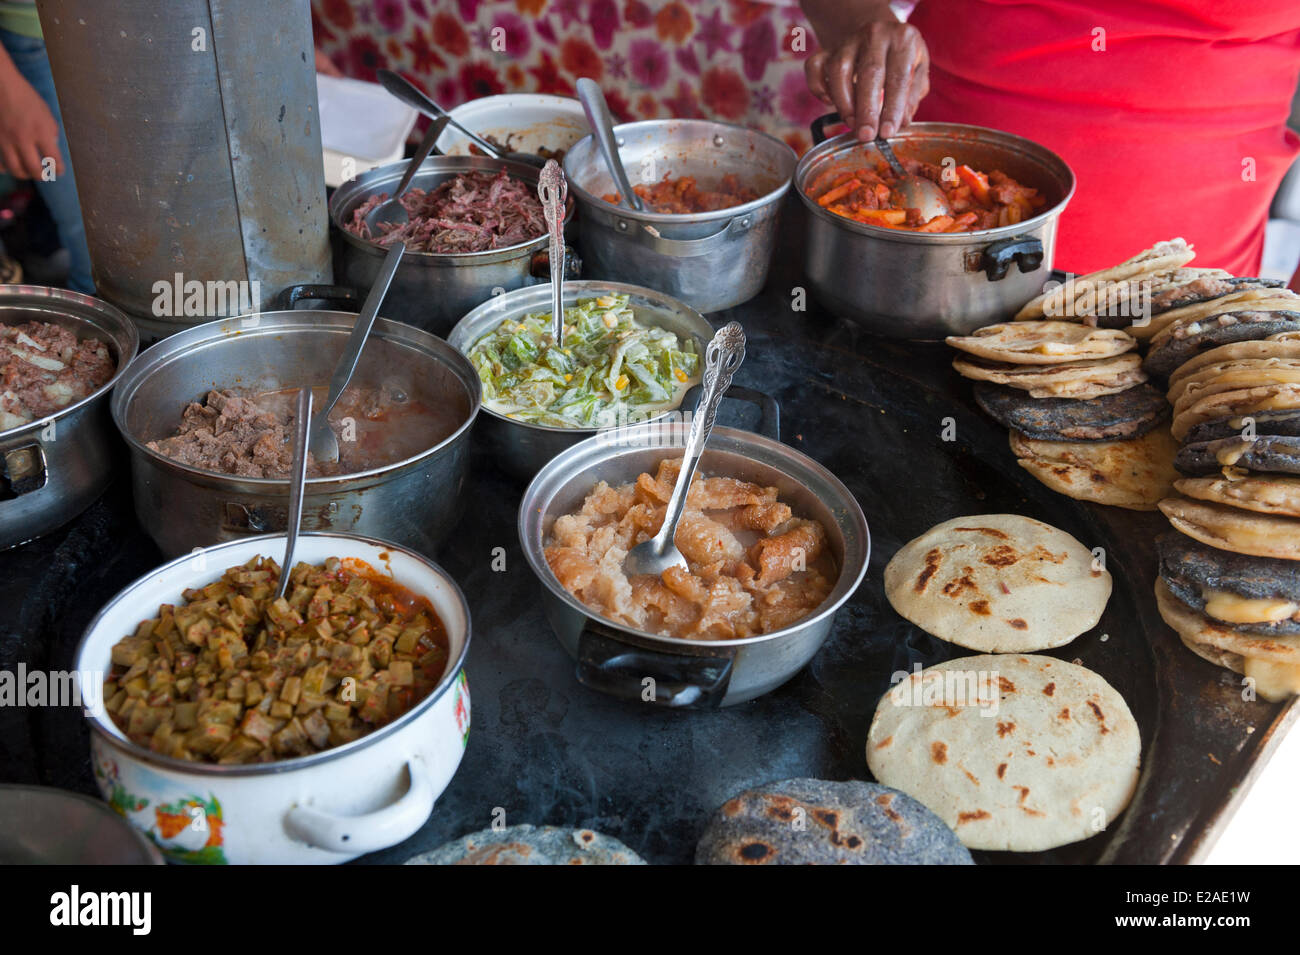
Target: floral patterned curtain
[{"x": 732, "y": 60}]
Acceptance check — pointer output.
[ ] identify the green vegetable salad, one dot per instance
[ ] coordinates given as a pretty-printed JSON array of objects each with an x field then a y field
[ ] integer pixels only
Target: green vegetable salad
[{"x": 611, "y": 370}]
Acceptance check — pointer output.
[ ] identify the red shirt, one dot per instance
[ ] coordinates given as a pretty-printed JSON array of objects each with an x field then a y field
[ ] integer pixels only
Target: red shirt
[{"x": 1176, "y": 128}]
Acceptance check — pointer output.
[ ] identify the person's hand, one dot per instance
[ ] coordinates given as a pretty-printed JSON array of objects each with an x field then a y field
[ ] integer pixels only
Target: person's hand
[
  {"x": 28, "y": 132},
  {"x": 875, "y": 79},
  {"x": 325, "y": 66}
]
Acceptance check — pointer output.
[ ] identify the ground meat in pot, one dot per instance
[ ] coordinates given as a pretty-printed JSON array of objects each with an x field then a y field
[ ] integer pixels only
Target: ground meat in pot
[{"x": 44, "y": 368}]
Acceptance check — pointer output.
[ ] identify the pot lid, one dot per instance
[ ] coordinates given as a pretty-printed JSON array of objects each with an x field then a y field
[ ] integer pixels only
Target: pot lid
[{"x": 40, "y": 825}]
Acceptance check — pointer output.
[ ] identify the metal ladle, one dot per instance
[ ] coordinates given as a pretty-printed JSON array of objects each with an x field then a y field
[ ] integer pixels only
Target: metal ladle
[
  {"x": 324, "y": 445},
  {"x": 297, "y": 487},
  {"x": 914, "y": 192},
  {"x": 414, "y": 97},
  {"x": 391, "y": 211},
  {"x": 553, "y": 190},
  {"x": 602, "y": 127},
  {"x": 721, "y": 359}
]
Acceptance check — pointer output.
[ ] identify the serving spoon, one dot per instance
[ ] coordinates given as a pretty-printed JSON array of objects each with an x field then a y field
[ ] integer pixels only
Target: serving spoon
[
  {"x": 324, "y": 445},
  {"x": 297, "y": 487},
  {"x": 391, "y": 211},
  {"x": 914, "y": 192},
  {"x": 721, "y": 359},
  {"x": 418, "y": 100},
  {"x": 553, "y": 190},
  {"x": 602, "y": 127}
]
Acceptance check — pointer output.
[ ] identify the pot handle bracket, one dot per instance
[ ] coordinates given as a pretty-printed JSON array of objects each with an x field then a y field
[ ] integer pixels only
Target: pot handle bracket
[
  {"x": 343, "y": 298},
  {"x": 818, "y": 126},
  {"x": 995, "y": 260},
  {"x": 22, "y": 470},
  {"x": 769, "y": 412},
  {"x": 679, "y": 681},
  {"x": 370, "y": 831}
]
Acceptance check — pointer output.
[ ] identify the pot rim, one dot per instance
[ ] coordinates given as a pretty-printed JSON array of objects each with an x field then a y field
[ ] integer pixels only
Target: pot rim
[
  {"x": 581, "y": 285},
  {"x": 999, "y": 138},
  {"x": 597, "y": 204},
  {"x": 848, "y": 505},
  {"x": 110, "y": 733},
  {"x": 343, "y": 197},
  {"x": 121, "y": 333},
  {"x": 123, "y": 396}
]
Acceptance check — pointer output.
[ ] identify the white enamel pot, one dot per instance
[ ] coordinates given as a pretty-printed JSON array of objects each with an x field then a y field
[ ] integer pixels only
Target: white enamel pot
[{"x": 329, "y": 807}]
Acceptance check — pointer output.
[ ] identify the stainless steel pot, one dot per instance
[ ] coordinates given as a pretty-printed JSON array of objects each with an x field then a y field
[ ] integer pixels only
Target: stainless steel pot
[
  {"x": 521, "y": 448},
  {"x": 920, "y": 285},
  {"x": 709, "y": 260},
  {"x": 53, "y": 469},
  {"x": 697, "y": 674},
  {"x": 414, "y": 502},
  {"x": 433, "y": 291}
]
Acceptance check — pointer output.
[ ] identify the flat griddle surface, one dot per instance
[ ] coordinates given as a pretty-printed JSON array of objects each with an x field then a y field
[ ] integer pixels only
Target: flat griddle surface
[{"x": 545, "y": 750}]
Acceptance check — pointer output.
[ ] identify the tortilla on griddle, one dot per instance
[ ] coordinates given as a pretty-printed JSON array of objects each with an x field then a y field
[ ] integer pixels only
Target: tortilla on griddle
[
  {"x": 1043, "y": 343},
  {"x": 1259, "y": 374},
  {"x": 1251, "y": 297},
  {"x": 1135, "y": 473},
  {"x": 1184, "y": 342},
  {"x": 1234, "y": 529},
  {"x": 1058, "y": 302},
  {"x": 1253, "y": 594},
  {"x": 1133, "y": 301},
  {"x": 1226, "y": 355},
  {"x": 1128, "y": 414},
  {"x": 1272, "y": 661},
  {"x": 1269, "y": 453},
  {"x": 1239, "y": 403},
  {"x": 998, "y": 582},
  {"x": 1054, "y": 763},
  {"x": 849, "y": 823},
  {"x": 1077, "y": 379}
]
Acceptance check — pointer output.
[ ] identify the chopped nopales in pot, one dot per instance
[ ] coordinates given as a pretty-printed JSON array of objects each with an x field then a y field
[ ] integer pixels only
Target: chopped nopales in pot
[
  {"x": 232, "y": 676},
  {"x": 611, "y": 369}
]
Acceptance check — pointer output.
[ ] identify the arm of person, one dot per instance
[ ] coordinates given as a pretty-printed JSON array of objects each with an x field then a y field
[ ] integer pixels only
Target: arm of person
[
  {"x": 28, "y": 131},
  {"x": 872, "y": 68}
]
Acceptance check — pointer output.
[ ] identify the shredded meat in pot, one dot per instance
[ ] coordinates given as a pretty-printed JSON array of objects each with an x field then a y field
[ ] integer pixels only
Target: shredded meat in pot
[{"x": 470, "y": 212}]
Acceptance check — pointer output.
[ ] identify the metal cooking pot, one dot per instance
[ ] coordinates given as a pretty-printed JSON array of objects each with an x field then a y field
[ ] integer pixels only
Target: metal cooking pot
[
  {"x": 53, "y": 469},
  {"x": 521, "y": 448},
  {"x": 929, "y": 285},
  {"x": 697, "y": 674},
  {"x": 709, "y": 260},
  {"x": 414, "y": 502},
  {"x": 433, "y": 291},
  {"x": 327, "y": 807}
]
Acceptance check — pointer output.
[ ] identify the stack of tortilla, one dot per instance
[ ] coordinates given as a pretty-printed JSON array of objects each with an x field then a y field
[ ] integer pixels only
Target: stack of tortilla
[
  {"x": 1066, "y": 378},
  {"x": 1230, "y": 580}
]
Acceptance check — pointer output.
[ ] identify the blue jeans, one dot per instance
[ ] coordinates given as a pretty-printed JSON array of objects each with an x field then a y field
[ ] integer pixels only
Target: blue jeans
[{"x": 60, "y": 196}]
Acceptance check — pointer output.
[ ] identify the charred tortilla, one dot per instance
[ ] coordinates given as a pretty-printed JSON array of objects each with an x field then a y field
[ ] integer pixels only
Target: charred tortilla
[
  {"x": 1269, "y": 453},
  {"x": 1187, "y": 341},
  {"x": 1128, "y": 414},
  {"x": 998, "y": 582},
  {"x": 1043, "y": 753},
  {"x": 1059, "y": 302},
  {"x": 1255, "y": 594},
  {"x": 1282, "y": 423}
]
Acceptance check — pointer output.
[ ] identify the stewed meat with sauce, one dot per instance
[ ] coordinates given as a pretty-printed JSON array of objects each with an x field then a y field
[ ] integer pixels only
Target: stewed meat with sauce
[
  {"x": 683, "y": 195},
  {"x": 252, "y": 436},
  {"x": 44, "y": 368},
  {"x": 753, "y": 566}
]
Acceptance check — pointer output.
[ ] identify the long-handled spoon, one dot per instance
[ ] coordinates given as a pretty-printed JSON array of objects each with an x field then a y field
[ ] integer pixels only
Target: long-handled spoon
[
  {"x": 414, "y": 97},
  {"x": 602, "y": 127},
  {"x": 553, "y": 190},
  {"x": 391, "y": 211},
  {"x": 721, "y": 359},
  {"x": 914, "y": 192},
  {"x": 324, "y": 445},
  {"x": 297, "y": 482}
]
